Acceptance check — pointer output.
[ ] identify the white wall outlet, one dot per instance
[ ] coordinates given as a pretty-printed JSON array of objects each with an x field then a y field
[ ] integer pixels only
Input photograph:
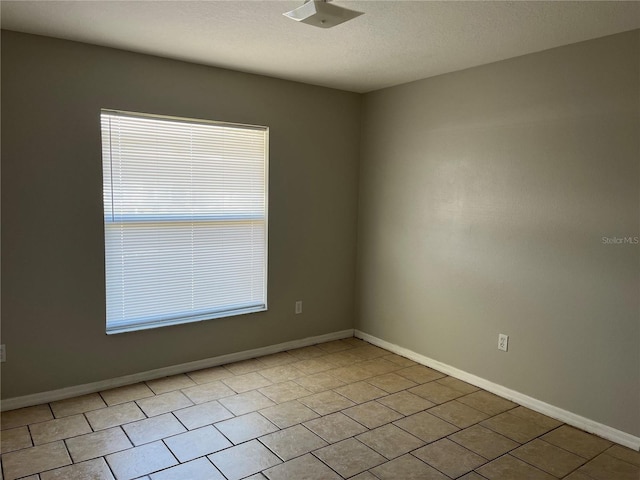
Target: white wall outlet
[
  {"x": 503, "y": 342},
  {"x": 3, "y": 353},
  {"x": 298, "y": 307}
]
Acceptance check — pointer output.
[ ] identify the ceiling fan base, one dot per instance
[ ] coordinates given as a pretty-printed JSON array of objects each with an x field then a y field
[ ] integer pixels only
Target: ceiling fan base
[{"x": 322, "y": 14}]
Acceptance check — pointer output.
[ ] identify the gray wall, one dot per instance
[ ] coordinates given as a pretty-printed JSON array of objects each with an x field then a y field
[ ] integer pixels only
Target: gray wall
[
  {"x": 53, "y": 315},
  {"x": 484, "y": 197}
]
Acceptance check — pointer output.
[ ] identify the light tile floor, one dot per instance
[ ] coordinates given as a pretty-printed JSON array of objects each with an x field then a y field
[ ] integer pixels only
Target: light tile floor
[{"x": 337, "y": 410}]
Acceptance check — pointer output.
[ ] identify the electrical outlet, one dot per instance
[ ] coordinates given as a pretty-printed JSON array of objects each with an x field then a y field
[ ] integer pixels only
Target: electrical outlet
[
  {"x": 503, "y": 342},
  {"x": 298, "y": 307},
  {"x": 3, "y": 353}
]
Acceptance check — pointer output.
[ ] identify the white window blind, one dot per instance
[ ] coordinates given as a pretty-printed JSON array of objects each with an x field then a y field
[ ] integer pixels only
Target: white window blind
[{"x": 185, "y": 217}]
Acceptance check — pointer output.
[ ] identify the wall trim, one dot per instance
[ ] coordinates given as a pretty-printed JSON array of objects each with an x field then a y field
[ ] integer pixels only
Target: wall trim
[
  {"x": 68, "y": 392},
  {"x": 565, "y": 416}
]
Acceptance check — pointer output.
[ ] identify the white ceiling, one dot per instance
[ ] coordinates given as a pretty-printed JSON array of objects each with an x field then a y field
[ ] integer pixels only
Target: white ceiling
[{"x": 394, "y": 42}]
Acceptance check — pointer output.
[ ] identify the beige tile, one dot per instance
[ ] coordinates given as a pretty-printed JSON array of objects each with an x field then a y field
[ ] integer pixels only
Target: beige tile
[
  {"x": 349, "y": 457},
  {"x": 351, "y": 373},
  {"x": 335, "y": 427},
  {"x": 406, "y": 403},
  {"x": 98, "y": 444},
  {"x": 487, "y": 402},
  {"x": 307, "y": 467},
  {"x": 244, "y": 366},
  {"x": 59, "y": 429},
  {"x": 372, "y": 414},
  {"x": 314, "y": 365},
  {"x": 306, "y": 353},
  {"x": 200, "y": 469},
  {"x": 368, "y": 351},
  {"x": 407, "y": 467},
  {"x": 391, "y": 382},
  {"x": 578, "y": 476},
  {"x": 75, "y": 405},
  {"x": 169, "y": 384},
  {"x": 208, "y": 391},
  {"x": 93, "y": 469},
  {"x": 139, "y": 461},
  {"x": 15, "y": 439},
  {"x": 426, "y": 427},
  {"x": 360, "y": 392},
  {"x": 319, "y": 382},
  {"x": 516, "y": 428},
  {"x": 246, "y": 427},
  {"x": 25, "y": 416},
  {"x": 114, "y": 416},
  {"x": 281, "y": 373},
  {"x": 342, "y": 359},
  {"x": 202, "y": 414},
  {"x": 435, "y": 392},
  {"x": 458, "y": 414},
  {"x": 275, "y": 359},
  {"x": 458, "y": 385},
  {"x": 378, "y": 366},
  {"x": 292, "y": 442},
  {"x": 449, "y": 458},
  {"x": 325, "y": 403},
  {"x": 34, "y": 460},
  {"x": 209, "y": 374},
  {"x": 125, "y": 394},
  {"x": 365, "y": 476},
  {"x": 547, "y": 457},
  {"x": 247, "y": 402},
  {"x": 420, "y": 374},
  {"x": 509, "y": 468},
  {"x": 334, "y": 346},
  {"x": 165, "y": 402},
  {"x": 390, "y": 441},
  {"x": 244, "y": 460},
  {"x": 197, "y": 443},
  {"x": 244, "y": 383},
  {"x": 399, "y": 360},
  {"x": 257, "y": 476},
  {"x": 484, "y": 442},
  {"x": 284, "y": 392},
  {"x": 288, "y": 414},
  {"x": 606, "y": 467},
  {"x": 626, "y": 454},
  {"x": 472, "y": 476},
  {"x": 576, "y": 441},
  {"x": 535, "y": 417},
  {"x": 355, "y": 342},
  {"x": 152, "y": 429}
]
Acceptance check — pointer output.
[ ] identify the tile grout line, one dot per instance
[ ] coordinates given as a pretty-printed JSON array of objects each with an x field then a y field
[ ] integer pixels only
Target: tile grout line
[
  {"x": 104, "y": 459},
  {"x": 327, "y": 465}
]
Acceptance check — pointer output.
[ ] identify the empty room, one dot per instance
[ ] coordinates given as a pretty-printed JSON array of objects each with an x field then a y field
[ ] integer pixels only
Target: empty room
[{"x": 320, "y": 240}]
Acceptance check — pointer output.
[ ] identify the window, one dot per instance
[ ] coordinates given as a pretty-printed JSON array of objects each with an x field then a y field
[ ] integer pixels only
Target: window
[{"x": 185, "y": 219}]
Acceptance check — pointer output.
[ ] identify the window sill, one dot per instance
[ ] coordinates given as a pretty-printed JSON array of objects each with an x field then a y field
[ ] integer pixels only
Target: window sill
[{"x": 134, "y": 327}]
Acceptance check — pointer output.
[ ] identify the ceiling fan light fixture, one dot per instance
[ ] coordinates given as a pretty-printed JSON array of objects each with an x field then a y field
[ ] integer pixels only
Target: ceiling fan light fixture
[{"x": 321, "y": 13}]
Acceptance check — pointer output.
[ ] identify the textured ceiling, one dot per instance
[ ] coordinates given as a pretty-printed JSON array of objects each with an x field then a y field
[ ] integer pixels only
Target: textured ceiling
[{"x": 394, "y": 42}]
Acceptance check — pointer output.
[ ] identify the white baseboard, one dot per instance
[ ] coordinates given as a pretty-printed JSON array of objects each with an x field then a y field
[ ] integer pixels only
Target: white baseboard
[
  {"x": 61, "y": 394},
  {"x": 565, "y": 416}
]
